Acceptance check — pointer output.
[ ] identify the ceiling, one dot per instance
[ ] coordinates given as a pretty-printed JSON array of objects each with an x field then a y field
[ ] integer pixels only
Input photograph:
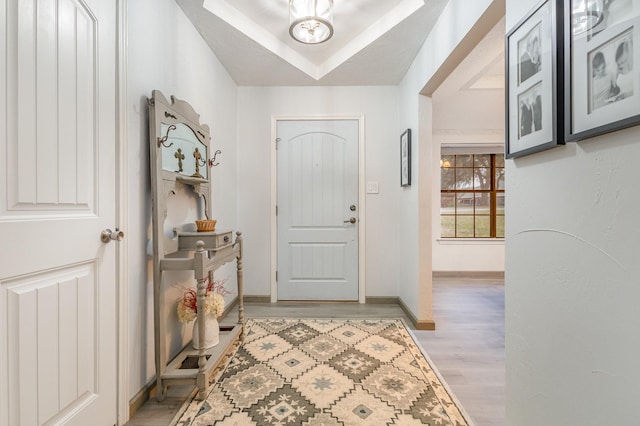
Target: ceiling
[
  {"x": 374, "y": 43},
  {"x": 482, "y": 69}
]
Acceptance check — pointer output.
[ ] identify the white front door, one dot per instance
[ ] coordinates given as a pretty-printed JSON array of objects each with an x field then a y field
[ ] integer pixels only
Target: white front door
[
  {"x": 57, "y": 193},
  {"x": 317, "y": 210}
]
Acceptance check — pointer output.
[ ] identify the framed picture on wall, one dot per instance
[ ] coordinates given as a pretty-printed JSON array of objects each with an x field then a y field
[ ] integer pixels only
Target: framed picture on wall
[
  {"x": 602, "y": 82},
  {"x": 405, "y": 158},
  {"x": 534, "y": 81}
]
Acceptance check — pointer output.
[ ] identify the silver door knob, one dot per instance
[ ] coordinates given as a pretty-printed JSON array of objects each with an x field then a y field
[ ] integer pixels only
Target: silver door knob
[
  {"x": 351, "y": 220},
  {"x": 107, "y": 235}
]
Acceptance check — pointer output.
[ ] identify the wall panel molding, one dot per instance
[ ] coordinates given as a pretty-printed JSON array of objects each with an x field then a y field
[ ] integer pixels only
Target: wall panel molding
[
  {"x": 49, "y": 343},
  {"x": 49, "y": 79}
]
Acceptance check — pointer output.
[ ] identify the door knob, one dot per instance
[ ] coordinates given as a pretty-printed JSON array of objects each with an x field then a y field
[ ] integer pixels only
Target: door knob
[
  {"x": 351, "y": 220},
  {"x": 107, "y": 235}
]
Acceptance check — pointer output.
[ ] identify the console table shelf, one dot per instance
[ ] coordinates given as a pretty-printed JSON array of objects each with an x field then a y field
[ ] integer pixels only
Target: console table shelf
[
  {"x": 203, "y": 263},
  {"x": 178, "y": 374}
]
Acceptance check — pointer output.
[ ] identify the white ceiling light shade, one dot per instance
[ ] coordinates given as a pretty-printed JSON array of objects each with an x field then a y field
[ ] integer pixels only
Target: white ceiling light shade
[{"x": 311, "y": 21}]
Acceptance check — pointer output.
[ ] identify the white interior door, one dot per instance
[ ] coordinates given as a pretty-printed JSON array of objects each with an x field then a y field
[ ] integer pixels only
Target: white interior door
[
  {"x": 317, "y": 199},
  {"x": 57, "y": 193}
]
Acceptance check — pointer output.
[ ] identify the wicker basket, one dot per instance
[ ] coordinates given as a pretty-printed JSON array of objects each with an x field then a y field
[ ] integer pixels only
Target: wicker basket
[{"x": 208, "y": 225}]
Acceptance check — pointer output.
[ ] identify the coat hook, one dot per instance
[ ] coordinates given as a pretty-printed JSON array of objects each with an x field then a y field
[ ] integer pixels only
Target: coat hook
[
  {"x": 162, "y": 140},
  {"x": 212, "y": 162}
]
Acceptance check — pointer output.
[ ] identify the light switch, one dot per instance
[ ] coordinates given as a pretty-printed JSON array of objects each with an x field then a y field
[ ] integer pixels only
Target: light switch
[{"x": 372, "y": 187}]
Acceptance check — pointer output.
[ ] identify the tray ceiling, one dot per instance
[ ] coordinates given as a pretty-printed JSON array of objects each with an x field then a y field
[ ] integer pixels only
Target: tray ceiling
[{"x": 374, "y": 42}]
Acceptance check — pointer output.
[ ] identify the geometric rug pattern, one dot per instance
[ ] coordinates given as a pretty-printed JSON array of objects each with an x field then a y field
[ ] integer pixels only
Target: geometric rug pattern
[{"x": 325, "y": 372}]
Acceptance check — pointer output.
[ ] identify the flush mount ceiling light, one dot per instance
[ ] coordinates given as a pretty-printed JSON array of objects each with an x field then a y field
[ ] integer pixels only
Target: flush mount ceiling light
[{"x": 311, "y": 21}]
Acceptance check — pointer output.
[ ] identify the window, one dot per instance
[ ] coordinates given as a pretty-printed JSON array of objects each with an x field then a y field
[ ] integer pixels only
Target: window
[{"x": 472, "y": 195}]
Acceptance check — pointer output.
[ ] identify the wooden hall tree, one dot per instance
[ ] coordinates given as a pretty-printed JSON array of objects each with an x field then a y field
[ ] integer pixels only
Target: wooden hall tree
[{"x": 179, "y": 156}]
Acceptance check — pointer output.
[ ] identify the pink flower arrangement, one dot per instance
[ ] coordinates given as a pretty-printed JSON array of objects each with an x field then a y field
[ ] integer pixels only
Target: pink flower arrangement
[{"x": 214, "y": 303}]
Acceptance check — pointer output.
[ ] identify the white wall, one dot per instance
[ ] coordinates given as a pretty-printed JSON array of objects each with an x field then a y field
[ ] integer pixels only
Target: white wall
[
  {"x": 572, "y": 275},
  {"x": 466, "y": 117},
  {"x": 165, "y": 52},
  {"x": 469, "y": 256},
  {"x": 379, "y": 106},
  {"x": 415, "y": 213}
]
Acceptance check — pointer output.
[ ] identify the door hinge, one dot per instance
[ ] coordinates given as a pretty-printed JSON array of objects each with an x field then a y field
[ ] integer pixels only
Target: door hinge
[
  {"x": 276, "y": 210},
  {"x": 276, "y": 276},
  {"x": 277, "y": 141}
]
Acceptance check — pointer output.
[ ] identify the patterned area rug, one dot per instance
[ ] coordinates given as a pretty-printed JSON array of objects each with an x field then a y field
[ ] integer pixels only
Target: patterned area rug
[{"x": 325, "y": 372}]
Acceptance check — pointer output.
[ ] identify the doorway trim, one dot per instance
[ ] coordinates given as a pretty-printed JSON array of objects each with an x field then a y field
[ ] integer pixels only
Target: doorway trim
[
  {"x": 122, "y": 208},
  {"x": 361, "y": 197}
]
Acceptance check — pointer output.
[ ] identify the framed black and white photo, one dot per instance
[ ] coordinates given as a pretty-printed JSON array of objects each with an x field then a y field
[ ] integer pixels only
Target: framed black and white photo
[
  {"x": 405, "y": 158},
  {"x": 601, "y": 80},
  {"x": 534, "y": 88}
]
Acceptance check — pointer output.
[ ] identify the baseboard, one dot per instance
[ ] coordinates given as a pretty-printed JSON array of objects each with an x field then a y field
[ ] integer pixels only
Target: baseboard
[
  {"x": 418, "y": 324},
  {"x": 429, "y": 325},
  {"x": 141, "y": 397},
  {"x": 371, "y": 300},
  {"x": 230, "y": 306},
  {"x": 497, "y": 275},
  {"x": 257, "y": 299},
  {"x": 380, "y": 300}
]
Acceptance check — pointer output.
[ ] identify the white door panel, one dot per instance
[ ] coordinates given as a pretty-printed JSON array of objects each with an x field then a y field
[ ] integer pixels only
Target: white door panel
[
  {"x": 57, "y": 193},
  {"x": 317, "y": 185}
]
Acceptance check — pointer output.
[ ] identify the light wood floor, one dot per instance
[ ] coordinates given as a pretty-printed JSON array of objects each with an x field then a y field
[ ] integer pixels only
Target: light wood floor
[{"x": 467, "y": 346}]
